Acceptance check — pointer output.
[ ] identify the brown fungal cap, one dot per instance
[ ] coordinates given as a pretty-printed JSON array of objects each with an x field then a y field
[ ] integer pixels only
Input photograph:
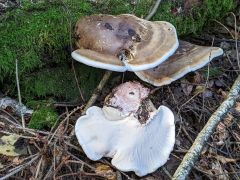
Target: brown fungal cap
[
  {"x": 187, "y": 58},
  {"x": 123, "y": 42}
]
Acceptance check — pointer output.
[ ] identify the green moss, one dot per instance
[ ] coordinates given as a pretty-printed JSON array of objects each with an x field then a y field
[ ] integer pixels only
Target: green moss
[
  {"x": 185, "y": 23},
  {"x": 213, "y": 72},
  {"x": 116, "y": 7},
  {"x": 60, "y": 82},
  {"x": 38, "y": 36},
  {"x": 44, "y": 115},
  {"x": 197, "y": 18}
]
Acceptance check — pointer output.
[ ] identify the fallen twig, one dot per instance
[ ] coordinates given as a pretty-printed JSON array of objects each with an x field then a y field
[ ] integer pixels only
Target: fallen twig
[
  {"x": 195, "y": 150},
  {"x": 19, "y": 94},
  {"x": 95, "y": 95},
  {"x": 69, "y": 20},
  {"x": 20, "y": 168},
  {"x": 154, "y": 10},
  {"x": 99, "y": 88},
  {"x": 236, "y": 38}
]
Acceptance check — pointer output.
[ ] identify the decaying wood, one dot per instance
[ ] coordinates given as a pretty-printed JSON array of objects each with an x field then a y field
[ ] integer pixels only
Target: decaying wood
[{"x": 193, "y": 153}]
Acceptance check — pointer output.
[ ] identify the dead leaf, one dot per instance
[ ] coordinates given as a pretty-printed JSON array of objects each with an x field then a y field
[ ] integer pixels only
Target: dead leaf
[
  {"x": 224, "y": 160},
  {"x": 228, "y": 120},
  {"x": 221, "y": 134},
  {"x": 186, "y": 87},
  {"x": 221, "y": 131},
  {"x": 197, "y": 78},
  {"x": 17, "y": 160},
  {"x": 222, "y": 93},
  {"x": 7, "y": 145},
  {"x": 198, "y": 90},
  {"x": 217, "y": 169},
  {"x": 237, "y": 107},
  {"x": 236, "y": 136},
  {"x": 105, "y": 171},
  {"x": 219, "y": 83},
  {"x": 207, "y": 93},
  {"x": 210, "y": 83}
]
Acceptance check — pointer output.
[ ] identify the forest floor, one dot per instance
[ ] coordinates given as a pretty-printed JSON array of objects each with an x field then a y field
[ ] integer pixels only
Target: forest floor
[{"x": 53, "y": 154}]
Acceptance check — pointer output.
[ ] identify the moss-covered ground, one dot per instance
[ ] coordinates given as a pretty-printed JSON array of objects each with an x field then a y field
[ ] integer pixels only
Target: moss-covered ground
[{"x": 39, "y": 36}]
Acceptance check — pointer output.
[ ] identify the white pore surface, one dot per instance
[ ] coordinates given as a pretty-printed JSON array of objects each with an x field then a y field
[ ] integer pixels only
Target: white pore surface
[
  {"x": 97, "y": 64},
  {"x": 141, "y": 148}
]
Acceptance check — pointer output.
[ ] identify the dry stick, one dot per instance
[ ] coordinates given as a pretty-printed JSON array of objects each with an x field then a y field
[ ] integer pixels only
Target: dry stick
[
  {"x": 19, "y": 94},
  {"x": 8, "y": 114},
  {"x": 50, "y": 138},
  {"x": 236, "y": 38},
  {"x": 38, "y": 167},
  {"x": 195, "y": 150},
  {"x": 19, "y": 169},
  {"x": 233, "y": 37},
  {"x": 154, "y": 10},
  {"x": 71, "y": 48},
  {"x": 8, "y": 120},
  {"x": 99, "y": 88},
  {"x": 77, "y": 82}
]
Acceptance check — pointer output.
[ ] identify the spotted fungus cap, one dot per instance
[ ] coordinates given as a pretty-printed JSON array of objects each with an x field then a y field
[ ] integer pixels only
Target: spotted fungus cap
[{"x": 123, "y": 42}]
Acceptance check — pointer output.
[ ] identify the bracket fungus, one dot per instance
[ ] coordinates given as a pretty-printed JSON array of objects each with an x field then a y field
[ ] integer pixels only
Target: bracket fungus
[
  {"x": 150, "y": 49},
  {"x": 123, "y": 42},
  {"x": 187, "y": 58},
  {"x": 138, "y": 137}
]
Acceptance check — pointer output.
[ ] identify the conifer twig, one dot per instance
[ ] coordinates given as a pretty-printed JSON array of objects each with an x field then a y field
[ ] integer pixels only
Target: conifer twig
[{"x": 193, "y": 153}]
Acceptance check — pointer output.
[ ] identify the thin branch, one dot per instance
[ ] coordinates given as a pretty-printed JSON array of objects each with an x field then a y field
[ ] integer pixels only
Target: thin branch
[
  {"x": 95, "y": 95},
  {"x": 8, "y": 120},
  {"x": 38, "y": 167},
  {"x": 99, "y": 88},
  {"x": 154, "y": 10},
  {"x": 225, "y": 28},
  {"x": 193, "y": 153},
  {"x": 68, "y": 115},
  {"x": 16, "y": 123},
  {"x": 236, "y": 37},
  {"x": 71, "y": 47},
  {"x": 19, "y": 94},
  {"x": 19, "y": 169}
]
